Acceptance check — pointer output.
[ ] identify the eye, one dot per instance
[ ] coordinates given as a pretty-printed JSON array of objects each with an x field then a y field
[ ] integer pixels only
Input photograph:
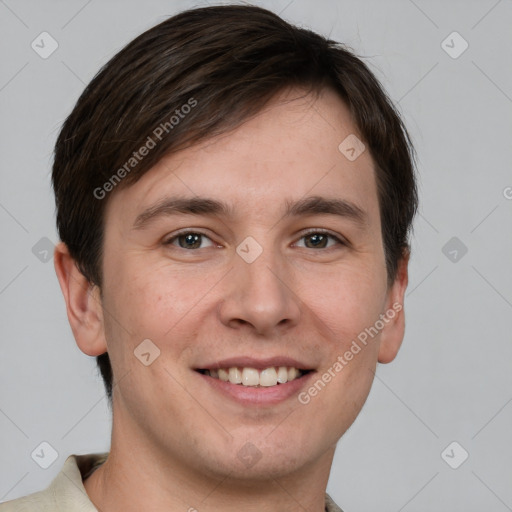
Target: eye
[
  {"x": 314, "y": 239},
  {"x": 188, "y": 240},
  {"x": 319, "y": 239}
]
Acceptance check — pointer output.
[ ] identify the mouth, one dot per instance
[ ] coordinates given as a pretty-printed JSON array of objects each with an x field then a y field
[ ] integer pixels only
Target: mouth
[
  {"x": 257, "y": 378},
  {"x": 255, "y": 382}
]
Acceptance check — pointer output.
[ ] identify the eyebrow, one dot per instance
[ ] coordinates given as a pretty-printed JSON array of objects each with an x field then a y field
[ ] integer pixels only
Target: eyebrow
[{"x": 312, "y": 205}]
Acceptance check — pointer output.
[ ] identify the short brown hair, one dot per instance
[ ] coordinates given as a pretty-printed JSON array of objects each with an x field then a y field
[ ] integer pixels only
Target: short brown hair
[{"x": 230, "y": 60}]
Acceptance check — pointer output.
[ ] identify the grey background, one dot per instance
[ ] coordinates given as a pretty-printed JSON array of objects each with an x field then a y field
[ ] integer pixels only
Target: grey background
[{"x": 452, "y": 379}]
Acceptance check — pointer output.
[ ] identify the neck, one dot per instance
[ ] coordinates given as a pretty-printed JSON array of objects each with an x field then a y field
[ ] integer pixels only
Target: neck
[{"x": 136, "y": 476}]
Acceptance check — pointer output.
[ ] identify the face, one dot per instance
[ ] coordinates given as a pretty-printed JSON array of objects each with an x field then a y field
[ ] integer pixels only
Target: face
[{"x": 274, "y": 281}]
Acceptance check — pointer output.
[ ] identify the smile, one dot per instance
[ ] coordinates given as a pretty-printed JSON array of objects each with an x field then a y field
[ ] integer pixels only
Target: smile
[{"x": 247, "y": 376}]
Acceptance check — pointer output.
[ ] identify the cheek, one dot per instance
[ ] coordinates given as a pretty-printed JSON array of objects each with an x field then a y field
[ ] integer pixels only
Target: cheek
[
  {"x": 350, "y": 303},
  {"x": 151, "y": 299},
  {"x": 154, "y": 304},
  {"x": 344, "y": 303}
]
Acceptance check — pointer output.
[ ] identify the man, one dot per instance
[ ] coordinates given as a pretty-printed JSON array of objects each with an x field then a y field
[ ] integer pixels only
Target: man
[{"x": 234, "y": 197}]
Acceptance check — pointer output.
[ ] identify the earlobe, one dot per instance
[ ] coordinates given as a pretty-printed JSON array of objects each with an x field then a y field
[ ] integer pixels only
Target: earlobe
[
  {"x": 83, "y": 303},
  {"x": 393, "y": 333}
]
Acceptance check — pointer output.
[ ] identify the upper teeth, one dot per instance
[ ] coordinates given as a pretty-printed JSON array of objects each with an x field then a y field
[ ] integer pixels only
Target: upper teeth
[{"x": 253, "y": 377}]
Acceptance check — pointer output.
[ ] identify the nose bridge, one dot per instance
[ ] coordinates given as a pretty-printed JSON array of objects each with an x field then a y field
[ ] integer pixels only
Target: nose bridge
[
  {"x": 259, "y": 267},
  {"x": 259, "y": 293}
]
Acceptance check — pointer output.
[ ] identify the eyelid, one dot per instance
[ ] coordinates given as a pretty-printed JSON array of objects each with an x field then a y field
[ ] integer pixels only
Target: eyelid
[
  {"x": 169, "y": 239},
  {"x": 341, "y": 240}
]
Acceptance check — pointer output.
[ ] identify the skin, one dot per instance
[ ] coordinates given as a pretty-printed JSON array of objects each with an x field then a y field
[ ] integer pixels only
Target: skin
[{"x": 175, "y": 439}]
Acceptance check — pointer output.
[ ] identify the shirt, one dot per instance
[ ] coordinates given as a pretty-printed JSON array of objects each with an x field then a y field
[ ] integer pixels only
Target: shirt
[{"x": 67, "y": 493}]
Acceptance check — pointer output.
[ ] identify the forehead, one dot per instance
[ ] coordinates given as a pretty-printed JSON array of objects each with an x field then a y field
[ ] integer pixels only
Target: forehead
[{"x": 288, "y": 150}]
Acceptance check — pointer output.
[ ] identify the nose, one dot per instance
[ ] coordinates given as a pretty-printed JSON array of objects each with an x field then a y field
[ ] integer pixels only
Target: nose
[{"x": 260, "y": 296}]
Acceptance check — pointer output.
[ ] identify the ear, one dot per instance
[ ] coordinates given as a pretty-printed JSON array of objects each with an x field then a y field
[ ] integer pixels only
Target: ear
[
  {"x": 393, "y": 332},
  {"x": 83, "y": 303}
]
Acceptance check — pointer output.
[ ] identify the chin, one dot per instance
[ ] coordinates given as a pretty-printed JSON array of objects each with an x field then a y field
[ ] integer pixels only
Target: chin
[{"x": 261, "y": 460}]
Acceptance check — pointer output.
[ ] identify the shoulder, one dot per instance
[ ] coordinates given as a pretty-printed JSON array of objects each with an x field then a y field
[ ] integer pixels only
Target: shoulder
[
  {"x": 37, "y": 501},
  {"x": 66, "y": 492},
  {"x": 330, "y": 506}
]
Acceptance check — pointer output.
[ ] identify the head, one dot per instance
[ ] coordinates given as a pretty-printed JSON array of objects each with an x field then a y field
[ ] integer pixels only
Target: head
[{"x": 235, "y": 105}]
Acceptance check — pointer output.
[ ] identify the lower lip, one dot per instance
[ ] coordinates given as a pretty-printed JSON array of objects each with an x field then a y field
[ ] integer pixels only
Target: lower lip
[{"x": 251, "y": 395}]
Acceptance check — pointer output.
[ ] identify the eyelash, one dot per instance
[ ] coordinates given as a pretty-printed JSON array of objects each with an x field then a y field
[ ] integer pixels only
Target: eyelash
[{"x": 311, "y": 231}]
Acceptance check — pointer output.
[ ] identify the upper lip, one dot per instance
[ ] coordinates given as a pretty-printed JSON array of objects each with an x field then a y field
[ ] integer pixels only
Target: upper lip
[{"x": 258, "y": 364}]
